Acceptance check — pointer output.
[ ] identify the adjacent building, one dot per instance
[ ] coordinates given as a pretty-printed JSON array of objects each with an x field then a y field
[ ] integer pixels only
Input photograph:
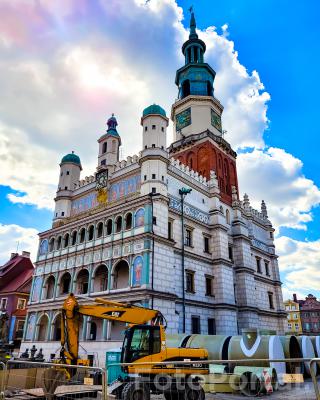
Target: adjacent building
[
  {"x": 310, "y": 315},
  {"x": 294, "y": 325},
  {"x": 15, "y": 285},
  {"x": 119, "y": 233}
]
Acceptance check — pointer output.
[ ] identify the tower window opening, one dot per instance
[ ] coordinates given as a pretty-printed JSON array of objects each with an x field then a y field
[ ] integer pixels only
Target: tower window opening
[
  {"x": 74, "y": 238},
  {"x": 146, "y": 128},
  {"x": 186, "y": 88},
  {"x": 118, "y": 224},
  {"x": 153, "y": 176},
  {"x": 103, "y": 162},
  {"x": 91, "y": 232},
  {"x": 209, "y": 89},
  {"x": 145, "y": 177},
  {"x": 68, "y": 172},
  {"x": 109, "y": 227},
  {"x": 153, "y": 145},
  {"x": 153, "y": 127},
  {"x": 145, "y": 146},
  {"x": 162, "y": 129},
  {"x": 82, "y": 235},
  {"x": 62, "y": 214},
  {"x": 66, "y": 188},
  {"x": 104, "y": 147}
]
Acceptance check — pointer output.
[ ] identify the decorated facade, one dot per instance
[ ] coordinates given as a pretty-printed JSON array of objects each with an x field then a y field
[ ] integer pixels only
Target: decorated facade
[{"x": 120, "y": 233}]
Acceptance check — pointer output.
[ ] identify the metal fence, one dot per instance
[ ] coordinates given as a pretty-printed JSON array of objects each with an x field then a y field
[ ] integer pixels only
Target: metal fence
[
  {"x": 232, "y": 379},
  {"x": 42, "y": 380}
]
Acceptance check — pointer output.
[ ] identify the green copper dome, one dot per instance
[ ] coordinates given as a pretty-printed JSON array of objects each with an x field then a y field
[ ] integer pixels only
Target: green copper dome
[
  {"x": 71, "y": 158},
  {"x": 154, "y": 109}
]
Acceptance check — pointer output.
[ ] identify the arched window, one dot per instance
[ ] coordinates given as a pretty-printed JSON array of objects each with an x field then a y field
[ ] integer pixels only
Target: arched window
[
  {"x": 93, "y": 331},
  {"x": 83, "y": 282},
  {"x": 191, "y": 161},
  {"x": 118, "y": 224},
  {"x": 100, "y": 282},
  {"x": 66, "y": 240},
  {"x": 100, "y": 229},
  {"x": 82, "y": 235},
  {"x": 74, "y": 237},
  {"x": 185, "y": 88},
  {"x": 59, "y": 240},
  {"x": 50, "y": 284},
  {"x": 104, "y": 147},
  {"x": 42, "y": 326},
  {"x": 56, "y": 328},
  {"x": 109, "y": 227},
  {"x": 51, "y": 244},
  {"x": 121, "y": 275},
  {"x": 91, "y": 232},
  {"x": 65, "y": 283},
  {"x": 128, "y": 221},
  {"x": 227, "y": 216}
]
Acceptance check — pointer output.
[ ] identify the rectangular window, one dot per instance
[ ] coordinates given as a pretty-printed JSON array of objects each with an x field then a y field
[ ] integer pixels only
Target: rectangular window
[
  {"x": 266, "y": 265},
  {"x": 206, "y": 247},
  {"x": 62, "y": 213},
  {"x": 154, "y": 220},
  {"x": 170, "y": 235},
  {"x": 103, "y": 162},
  {"x": 188, "y": 237},
  {"x": 19, "y": 330},
  {"x": 195, "y": 325},
  {"x": 153, "y": 127},
  {"x": 190, "y": 282},
  {"x": 145, "y": 177},
  {"x": 154, "y": 190},
  {"x": 21, "y": 305},
  {"x": 68, "y": 172},
  {"x": 258, "y": 262},
  {"x": 296, "y": 326},
  {"x": 3, "y": 304},
  {"x": 230, "y": 252},
  {"x": 212, "y": 326},
  {"x": 153, "y": 176},
  {"x": 66, "y": 188},
  {"x": 270, "y": 297},
  {"x": 209, "y": 286}
]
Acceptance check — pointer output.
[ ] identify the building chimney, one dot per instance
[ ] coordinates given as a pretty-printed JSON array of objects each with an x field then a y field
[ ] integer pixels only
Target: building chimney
[
  {"x": 295, "y": 298},
  {"x": 13, "y": 255},
  {"x": 26, "y": 254}
]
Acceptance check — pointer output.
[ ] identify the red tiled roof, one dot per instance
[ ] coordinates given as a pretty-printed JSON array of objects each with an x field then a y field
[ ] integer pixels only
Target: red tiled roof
[{"x": 16, "y": 274}]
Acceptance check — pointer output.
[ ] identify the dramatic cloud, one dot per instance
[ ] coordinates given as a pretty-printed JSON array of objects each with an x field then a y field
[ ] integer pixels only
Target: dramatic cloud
[
  {"x": 276, "y": 176},
  {"x": 13, "y": 237},
  {"x": 299, "y": 264},
  {"x": 66, "y": 66}
]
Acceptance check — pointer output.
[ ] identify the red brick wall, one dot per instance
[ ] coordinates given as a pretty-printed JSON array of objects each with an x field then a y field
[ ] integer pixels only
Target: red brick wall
[{"x": 205, "y": 157}]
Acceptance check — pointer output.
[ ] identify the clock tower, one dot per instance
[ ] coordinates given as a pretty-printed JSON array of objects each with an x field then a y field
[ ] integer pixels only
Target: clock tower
[{"x": 196, "y": 116}]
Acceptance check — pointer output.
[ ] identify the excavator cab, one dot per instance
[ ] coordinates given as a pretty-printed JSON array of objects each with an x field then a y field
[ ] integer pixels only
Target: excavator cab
[{"x": 140, "y": 341}]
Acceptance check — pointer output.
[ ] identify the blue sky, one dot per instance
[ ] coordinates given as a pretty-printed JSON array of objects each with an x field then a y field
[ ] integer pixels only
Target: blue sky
[{"x": 66, "y": 66}]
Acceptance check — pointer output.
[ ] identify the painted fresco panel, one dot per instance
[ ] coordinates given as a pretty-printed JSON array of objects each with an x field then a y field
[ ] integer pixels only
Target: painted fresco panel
[
  {"x": 139, "y": 218},
  {"x": 37, "y": 289},
  {"x": 84, "y": 203},
  {"x": 137, "y": 271},
  {"x": 124, "y": 188},
  {"x": 31, "y": 326}
]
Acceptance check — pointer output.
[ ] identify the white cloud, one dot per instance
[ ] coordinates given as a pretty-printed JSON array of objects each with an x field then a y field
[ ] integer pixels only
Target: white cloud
[
  {"x": 12, "y": 236},
  {"x": 299, "y": 263},
  {"x": 277, "y": 177},
  {"x": 113, "y": 57}
]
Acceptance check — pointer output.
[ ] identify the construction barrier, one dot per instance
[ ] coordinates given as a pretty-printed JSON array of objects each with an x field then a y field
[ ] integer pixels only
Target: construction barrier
[
  {"x": 2, "y": 371},
  {"x": 42, "y": 380},
  {"x": 214, "y": 376}
]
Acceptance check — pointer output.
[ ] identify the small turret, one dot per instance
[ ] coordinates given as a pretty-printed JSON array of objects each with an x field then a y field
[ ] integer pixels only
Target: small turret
[
  {"x": 154, "y": 158},
  {"x": 70, "y": 168},
  {"x": 109, "y": 145}
]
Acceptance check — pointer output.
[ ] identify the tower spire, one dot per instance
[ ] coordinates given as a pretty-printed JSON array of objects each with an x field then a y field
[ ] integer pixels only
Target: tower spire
[{"x": 193, "y": 25}]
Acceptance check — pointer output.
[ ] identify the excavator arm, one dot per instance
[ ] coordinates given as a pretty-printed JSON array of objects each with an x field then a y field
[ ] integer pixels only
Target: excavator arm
[{"x": 101, "y": 308}]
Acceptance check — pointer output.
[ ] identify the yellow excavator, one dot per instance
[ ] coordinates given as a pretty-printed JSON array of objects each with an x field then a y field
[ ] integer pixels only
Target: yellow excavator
[{"x": 144, "y": 342}]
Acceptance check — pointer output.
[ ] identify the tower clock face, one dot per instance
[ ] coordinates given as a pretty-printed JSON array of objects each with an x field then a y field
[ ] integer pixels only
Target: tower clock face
[
  {"x": 101, "y": 179},
  {"x": 216, "y": 120},
  {"x": 183, "y": 119}
]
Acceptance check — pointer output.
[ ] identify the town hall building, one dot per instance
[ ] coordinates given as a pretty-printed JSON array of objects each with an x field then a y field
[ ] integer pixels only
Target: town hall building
[{"x": 121, "y": 233}]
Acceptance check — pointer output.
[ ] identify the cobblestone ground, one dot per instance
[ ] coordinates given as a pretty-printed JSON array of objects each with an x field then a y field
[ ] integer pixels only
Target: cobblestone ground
[{"x": 297, "y": 392}]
